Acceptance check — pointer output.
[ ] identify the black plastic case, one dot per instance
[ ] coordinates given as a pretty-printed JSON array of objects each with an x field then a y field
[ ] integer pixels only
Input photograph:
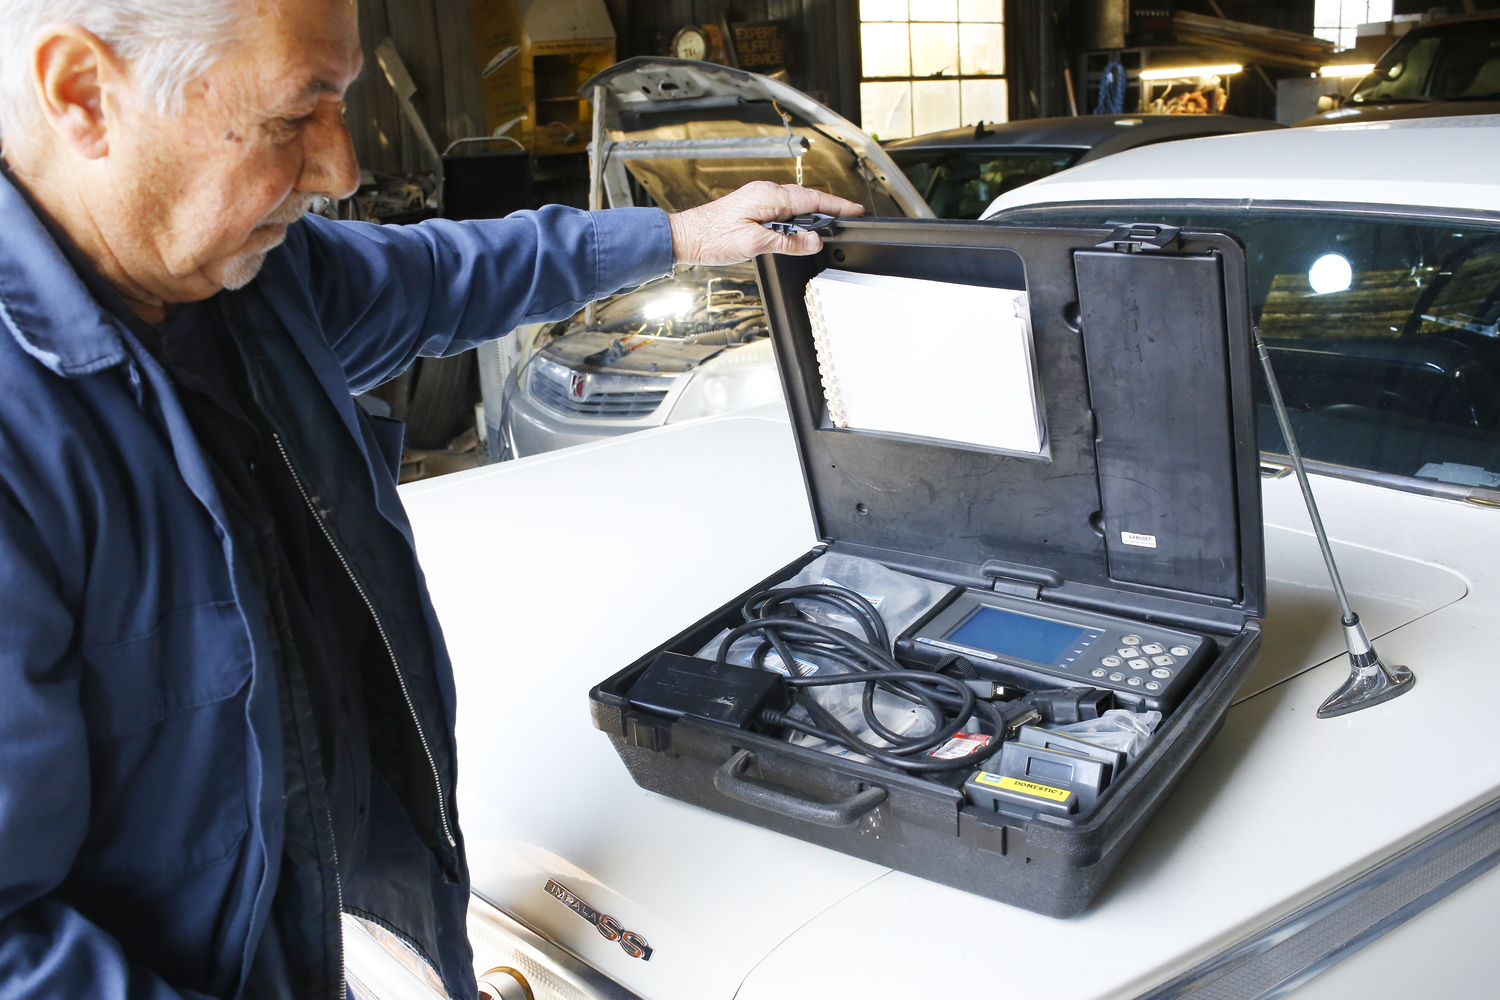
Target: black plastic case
[{"x": 1142, "y": 339}]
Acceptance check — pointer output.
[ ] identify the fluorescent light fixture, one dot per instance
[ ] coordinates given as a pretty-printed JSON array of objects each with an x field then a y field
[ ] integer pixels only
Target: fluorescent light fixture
[
  {"x": 1347, "y": 70},
  {"x": 1191, "y": 72}
]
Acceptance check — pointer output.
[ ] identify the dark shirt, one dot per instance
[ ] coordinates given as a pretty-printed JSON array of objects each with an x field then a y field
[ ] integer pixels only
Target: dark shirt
[{"x": 324, "y": 632}]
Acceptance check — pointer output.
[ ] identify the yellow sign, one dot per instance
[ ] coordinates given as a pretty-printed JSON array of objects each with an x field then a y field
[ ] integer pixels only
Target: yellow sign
[{"x": 1010, "y": 784}]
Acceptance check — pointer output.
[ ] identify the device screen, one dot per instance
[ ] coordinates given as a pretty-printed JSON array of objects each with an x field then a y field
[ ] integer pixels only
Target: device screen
[{"x": 1010, "y": 634}]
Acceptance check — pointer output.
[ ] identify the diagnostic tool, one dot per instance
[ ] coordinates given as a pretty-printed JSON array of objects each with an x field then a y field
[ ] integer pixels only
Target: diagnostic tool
[{"x": 1037, "y": 646}]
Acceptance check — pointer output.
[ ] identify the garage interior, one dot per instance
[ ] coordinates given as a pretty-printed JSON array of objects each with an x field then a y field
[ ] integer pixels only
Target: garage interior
[{"x": 476, "y": 109}]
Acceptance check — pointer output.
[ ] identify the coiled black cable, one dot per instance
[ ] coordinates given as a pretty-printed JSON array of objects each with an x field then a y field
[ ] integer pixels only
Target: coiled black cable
[{"x": 784, "y": 629}]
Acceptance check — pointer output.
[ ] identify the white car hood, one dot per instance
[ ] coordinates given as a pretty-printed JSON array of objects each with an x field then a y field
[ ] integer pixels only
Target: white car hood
[{"x": 551, "y": 573}]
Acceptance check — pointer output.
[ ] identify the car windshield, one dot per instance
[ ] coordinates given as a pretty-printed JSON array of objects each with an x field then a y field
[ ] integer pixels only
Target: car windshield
[
  {"x": 1382, "y": 331},
  {"x": 1450, "y": 63},
  {"x": 961, "y": 183}
]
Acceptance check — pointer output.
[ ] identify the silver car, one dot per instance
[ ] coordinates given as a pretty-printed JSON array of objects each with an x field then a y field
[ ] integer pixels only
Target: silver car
[{"x": 692, "y": 344}]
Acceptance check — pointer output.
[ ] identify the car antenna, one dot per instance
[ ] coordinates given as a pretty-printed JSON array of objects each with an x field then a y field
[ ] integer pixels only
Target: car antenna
[
  {"x": 1371, "y": 680},
  {"x": 980, "y": 131}
]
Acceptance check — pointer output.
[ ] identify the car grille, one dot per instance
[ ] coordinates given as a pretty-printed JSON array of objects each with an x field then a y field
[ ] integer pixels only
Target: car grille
[{"x": 549, "y": 386}]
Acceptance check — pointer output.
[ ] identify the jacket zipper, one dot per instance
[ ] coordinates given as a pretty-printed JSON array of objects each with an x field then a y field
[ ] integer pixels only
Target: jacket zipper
[
  {"x": 384, "y": 638},
  {"x": 338, "y": 888}
]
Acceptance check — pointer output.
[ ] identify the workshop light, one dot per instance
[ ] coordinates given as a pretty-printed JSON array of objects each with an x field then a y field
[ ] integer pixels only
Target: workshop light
[
  {"x": 1347, "y": 70},
  {"x": 1191, "y": 72},
  {"x": 1330, "y": 273},
  {"x": 668, "y": 305}
]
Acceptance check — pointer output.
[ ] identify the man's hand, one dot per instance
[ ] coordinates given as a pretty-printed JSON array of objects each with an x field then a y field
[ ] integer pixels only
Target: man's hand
[{"x": 729, "y": 230}]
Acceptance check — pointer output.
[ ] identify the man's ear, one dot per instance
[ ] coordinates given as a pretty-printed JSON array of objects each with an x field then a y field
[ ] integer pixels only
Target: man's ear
[{"x": 79, "y": 83}]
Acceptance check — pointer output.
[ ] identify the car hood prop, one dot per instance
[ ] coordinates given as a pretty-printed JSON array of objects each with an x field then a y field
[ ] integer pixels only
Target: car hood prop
[{"x": 1371, "y": 680}]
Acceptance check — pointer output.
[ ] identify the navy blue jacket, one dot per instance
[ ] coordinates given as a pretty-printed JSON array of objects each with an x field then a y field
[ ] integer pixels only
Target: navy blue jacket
[{"x": 141, "y": 778}]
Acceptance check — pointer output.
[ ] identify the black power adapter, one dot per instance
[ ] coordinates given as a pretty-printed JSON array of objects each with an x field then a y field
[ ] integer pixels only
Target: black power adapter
[{"x": 675, "y": 686}]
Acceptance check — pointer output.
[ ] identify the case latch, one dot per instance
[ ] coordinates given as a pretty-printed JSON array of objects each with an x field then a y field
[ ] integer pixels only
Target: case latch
[{"x": 1138, "y": 236}]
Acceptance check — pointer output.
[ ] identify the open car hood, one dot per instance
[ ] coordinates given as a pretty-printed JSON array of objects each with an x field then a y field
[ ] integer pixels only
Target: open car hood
[{"x": 652, "y": 100}]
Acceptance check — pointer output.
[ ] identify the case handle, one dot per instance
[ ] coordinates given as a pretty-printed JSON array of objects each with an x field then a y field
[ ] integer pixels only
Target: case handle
[{"x": 731, "y": 781}]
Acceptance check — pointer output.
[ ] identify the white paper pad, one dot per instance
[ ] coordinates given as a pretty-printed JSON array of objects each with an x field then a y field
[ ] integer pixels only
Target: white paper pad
[{"x": 927, "y": 358}]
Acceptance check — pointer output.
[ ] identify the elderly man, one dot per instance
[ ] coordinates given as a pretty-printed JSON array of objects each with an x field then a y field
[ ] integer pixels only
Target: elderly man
[{"x": 226, "y": 714}]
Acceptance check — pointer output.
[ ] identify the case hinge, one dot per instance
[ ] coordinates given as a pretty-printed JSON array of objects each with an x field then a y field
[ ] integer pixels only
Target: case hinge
[{"x": 1137, "y": 236}]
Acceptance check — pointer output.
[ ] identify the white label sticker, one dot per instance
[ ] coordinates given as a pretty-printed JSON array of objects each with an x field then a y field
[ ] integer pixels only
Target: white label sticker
[
  {"x": 875, "y": 600},
  {"x": 774, "y": 662},
  {"x": 1134, "y": 538}
]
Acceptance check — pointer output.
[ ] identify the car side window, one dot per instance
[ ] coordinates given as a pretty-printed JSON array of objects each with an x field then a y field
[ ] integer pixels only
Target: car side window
[
  {"x": 961, "y": 184},
  {"x": 1383, "y": 334}
]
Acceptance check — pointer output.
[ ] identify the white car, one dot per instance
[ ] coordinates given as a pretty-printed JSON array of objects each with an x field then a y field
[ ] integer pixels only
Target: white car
[{"x": 1324, "y": 859}]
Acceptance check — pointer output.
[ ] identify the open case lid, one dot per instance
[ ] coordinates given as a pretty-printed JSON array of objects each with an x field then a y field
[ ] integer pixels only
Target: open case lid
[{"x": 1131, "y": 485}]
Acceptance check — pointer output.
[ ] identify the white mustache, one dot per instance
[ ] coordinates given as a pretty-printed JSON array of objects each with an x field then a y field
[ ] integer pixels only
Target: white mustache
[{"x": 289, "y": 211}]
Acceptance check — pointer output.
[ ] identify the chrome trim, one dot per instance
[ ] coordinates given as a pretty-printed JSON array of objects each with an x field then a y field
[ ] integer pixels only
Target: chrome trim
[
  {"x": 1292, "y": 951},
  {"x": 563, "y": 963}
]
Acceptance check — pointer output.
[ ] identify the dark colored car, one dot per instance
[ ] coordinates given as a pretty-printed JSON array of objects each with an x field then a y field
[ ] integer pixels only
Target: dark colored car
[
  {"x": 960, "y": 171},
  {"x": 1448, "y": 67}
]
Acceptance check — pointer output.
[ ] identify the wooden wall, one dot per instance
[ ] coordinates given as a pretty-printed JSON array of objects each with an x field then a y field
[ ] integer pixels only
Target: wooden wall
[
  {"x": 435, "y": 40},
  {"x": 825, "y": 43}
]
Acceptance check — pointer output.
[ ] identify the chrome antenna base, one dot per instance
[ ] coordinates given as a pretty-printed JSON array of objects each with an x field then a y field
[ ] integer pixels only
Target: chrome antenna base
[{"x": 1371, "y": 680}]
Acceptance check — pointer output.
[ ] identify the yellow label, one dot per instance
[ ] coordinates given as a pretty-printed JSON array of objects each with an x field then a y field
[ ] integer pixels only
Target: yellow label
[{"x": 1010, "y": 784}]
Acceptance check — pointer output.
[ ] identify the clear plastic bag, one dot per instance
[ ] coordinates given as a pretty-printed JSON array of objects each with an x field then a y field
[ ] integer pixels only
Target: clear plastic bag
[{"x": 1117, "y": 729}]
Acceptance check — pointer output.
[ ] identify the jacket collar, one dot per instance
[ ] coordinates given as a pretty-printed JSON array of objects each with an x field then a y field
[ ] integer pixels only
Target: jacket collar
[{"x": 43, "y": 303}]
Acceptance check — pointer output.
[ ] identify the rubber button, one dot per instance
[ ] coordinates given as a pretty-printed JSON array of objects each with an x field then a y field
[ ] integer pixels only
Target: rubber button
[
  {"x": 1137, "y": 664},
  {"x": 1097, "y": 672},
  {"x": 1161, "y": 672},
  {"x": 1134, "y": 682},
  {"x": 1180, "y": 651},
  {"x": 1163, "y": 661},
  {"x": 1128, "y": 651},
  {"x": 1131, "y": 640},
  {"x": 1117, "y": 677},
  {"x": 1152, "y": 649},
  {"x": 1111, "y": 661},
  {"x": 1153, "y": 686}
]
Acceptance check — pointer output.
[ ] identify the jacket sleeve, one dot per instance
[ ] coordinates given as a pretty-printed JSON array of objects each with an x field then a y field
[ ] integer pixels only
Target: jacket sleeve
[
  {"x": 48, "y": 950},
  {"x": 385, "y": 294}
]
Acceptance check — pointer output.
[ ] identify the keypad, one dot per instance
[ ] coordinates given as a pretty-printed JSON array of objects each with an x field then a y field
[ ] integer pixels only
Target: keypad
[{"x": 1137, "y": 664}]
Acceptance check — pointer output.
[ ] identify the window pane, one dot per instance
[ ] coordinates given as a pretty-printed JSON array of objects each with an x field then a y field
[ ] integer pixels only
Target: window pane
[
  {"x": 882, "y": 10},
  {"x": 961, "y": 183},
  {"x": 981, "y": 10},
  {"x": 981, "y": 49},
  {"x": 1382, "y": 333},
  {"x": 885, "y": 50},
  {"x": 934, "y": 106},
  {"x": 885, "y": 110},
  {"x": 934, "y": 10},
  {"x": 934, "y": 50},
  {"x": 983, "y": 101}
]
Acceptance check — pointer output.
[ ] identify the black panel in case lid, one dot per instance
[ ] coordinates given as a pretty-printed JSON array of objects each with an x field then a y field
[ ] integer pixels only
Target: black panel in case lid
[{"x": 1105, "y": 322}]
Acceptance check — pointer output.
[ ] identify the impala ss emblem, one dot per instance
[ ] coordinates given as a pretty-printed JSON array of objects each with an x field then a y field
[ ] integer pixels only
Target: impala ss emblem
[
  {"x": 635, "y": 946},
  {"x": 577, "y": 386}
]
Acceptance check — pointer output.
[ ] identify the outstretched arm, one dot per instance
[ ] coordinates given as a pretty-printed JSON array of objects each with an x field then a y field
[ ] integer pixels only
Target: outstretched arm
[{"x": 385, "y": 294}]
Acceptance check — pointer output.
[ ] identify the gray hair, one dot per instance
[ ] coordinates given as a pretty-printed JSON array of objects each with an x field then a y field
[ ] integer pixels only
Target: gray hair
[{"x": 166, "y": 43}]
